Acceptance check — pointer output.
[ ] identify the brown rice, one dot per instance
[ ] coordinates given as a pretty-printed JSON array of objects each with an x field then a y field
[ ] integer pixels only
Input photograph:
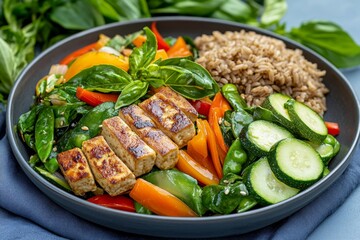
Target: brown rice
[{"x": 260, "y": 65}]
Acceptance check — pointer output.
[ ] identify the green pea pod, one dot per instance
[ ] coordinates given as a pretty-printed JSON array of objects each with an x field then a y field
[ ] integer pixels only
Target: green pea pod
[
  {"x": 44, "y": 133},
  {"x": 231, "y": 93},
  {"x": 235, "y": 158},
  {"x": 180, "y": 185},
  {"x": 51, "y": 165},
  {"x": 260, "y": 113},
  {"x": 333, "y": 142},
  {"x": 88, "y": 126},
  {"x": 131, "y": 93}
]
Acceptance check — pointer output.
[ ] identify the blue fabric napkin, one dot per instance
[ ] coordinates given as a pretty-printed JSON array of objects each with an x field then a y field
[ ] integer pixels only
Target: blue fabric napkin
[{"x": 26, "y": 213}]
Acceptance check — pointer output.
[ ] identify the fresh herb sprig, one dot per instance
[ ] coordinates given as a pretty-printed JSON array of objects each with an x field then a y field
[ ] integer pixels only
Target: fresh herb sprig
[{"x": 184, "y": 76}]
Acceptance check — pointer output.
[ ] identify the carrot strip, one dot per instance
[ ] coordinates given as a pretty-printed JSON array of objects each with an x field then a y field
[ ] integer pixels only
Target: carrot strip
[
  {"x": 159, "y": 200},
  {"x": 95, "y": 98},
  {"x": 212, "y": 144},
  {"x": 214, "y": 119},
  {"x": 189, "y": 166}
]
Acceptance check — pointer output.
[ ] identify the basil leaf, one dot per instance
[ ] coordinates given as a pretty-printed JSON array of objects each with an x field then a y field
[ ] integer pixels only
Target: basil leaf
[
  {"x": 78, "y": 15},
  {"x": 144, "y": 55},
  {"x": 131, "y": 93},
  {"x": 342, "y": 50},
  {"x": 188, "y": 78},
  {"x": 102, "y": 78},
  {"x": 274, "y": 10}
]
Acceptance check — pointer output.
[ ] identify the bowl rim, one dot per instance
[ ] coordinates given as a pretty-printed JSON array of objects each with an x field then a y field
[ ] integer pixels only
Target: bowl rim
[{"x": 328, "y": 180}]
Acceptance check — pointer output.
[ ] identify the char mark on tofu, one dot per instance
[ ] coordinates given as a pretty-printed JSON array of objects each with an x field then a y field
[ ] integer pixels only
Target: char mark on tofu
[
  {"x": 109, "y": 171},
  {"x": 176, "y": 99},
  {"x": 75, "y": 168},
  {"x": 131, "y": 149},
  {"x": 169, "y": 119},
  {"x": 166, "y": 150}
]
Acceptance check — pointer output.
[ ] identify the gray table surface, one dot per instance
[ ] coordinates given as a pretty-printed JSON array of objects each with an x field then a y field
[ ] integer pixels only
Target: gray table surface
[{"x": 344, "y": 222}]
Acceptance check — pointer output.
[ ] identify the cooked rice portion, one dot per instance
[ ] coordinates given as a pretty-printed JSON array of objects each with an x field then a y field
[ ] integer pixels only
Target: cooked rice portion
[{"x": 261, "y": 65}]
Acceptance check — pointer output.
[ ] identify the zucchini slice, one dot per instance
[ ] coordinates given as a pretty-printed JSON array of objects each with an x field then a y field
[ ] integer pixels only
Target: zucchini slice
[
  {"x": 260, "y": 135},
  {"x": 308, "y": 123},
  {"x": 296, "y": 163},
  {"x": 264, "y": 186},
  {"x": 276, "y": 104}
]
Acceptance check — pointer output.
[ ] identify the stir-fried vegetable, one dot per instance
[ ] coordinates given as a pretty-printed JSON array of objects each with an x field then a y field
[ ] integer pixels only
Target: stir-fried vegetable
[{"x": 236, "y": 160}]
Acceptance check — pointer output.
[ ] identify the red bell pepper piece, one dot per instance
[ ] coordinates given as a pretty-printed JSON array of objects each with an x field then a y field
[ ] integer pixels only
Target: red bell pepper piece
[
  {"x": 162, "y": 44},
  {"x": 333, "y": 128},
  {"x": 201, "y": 106},
  {"x": 72, "y": 56},
  {"x": 117, "y": 202},
  {"x": 95, "y": 98}
]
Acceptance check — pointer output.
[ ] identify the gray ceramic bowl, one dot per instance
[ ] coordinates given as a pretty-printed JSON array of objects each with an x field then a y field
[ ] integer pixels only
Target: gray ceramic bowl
[{"x": 342, "y": 108}]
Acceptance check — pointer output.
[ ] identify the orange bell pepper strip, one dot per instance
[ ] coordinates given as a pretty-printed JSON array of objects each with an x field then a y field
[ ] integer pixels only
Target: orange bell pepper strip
[
  {"x": 179, "y": 49},
  {"x": 95, "y": 98},
  {"x": 103, "y": 40},
  {"x": 139, "y": 40},
  {"x": 72, "y": 56},
  {"x": 161, "y": 54},
  {"x": 189, "y": 166},
  {"x": 214, "y": 123},
  {"x": 213, "y": 148},
  {"x": 91, "y": 59},
  {"x": 159, "y": 200},
  {"x": 197, "y": 147}
]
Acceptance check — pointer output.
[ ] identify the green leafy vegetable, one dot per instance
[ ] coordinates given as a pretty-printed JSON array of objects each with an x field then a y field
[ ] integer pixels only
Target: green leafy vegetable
[
  {"x": 131, "y": 93},
  {"x": 7, "y": 67},
  {"x": 274, "y": 10}
]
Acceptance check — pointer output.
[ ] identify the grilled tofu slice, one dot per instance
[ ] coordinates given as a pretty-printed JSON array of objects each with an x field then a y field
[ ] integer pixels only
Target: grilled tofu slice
[
  {"x": 109, "y": 171},
  {"x": 177, "y": 100},
  {"x": 75, "y": 168},
  {"x": 135, "y": 153},
  {"x": 167, "y": 151},
  {"x": 169, "y": 119}
]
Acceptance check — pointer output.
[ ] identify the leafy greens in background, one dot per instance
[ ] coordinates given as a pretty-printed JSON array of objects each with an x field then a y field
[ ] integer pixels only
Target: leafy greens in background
[{"x": 26, "y": 25}]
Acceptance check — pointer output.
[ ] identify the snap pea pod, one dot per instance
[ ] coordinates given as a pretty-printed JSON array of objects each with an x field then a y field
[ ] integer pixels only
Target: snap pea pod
[
  {"x": 180, "y": 185},
  {"x": 141, "y": 209},
  {"x": 89, "y": 126},
  {"x": 44, "y": 133},
  {"x": 331, "y": 140},
  {"x": 235, "y": 158},
  {"x": 231, "y": 93}
]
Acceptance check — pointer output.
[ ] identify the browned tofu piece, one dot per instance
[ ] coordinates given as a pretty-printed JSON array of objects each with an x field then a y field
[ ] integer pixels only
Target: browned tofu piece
[
  {"x": 169, "y": 119},
  {"x": 167, "y": 152},
  {"x": 76, "y": 170},
  {"x": 109, "y": 171},
  {"x": 135, "y": 153},
  {"x": 177, "y": 100}
]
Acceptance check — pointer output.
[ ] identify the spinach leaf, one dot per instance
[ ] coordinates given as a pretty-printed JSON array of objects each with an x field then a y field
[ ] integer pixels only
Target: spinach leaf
[
  {"x": 342, "y": 50},
  {"x": 131, "y": 93},
  {"x": 77, "y": 15},
  {"x": 87, "y": 127},
  {"x": 102, "y": 78},
  {"x": 144, "y": 55},
  {"x": 274, "y": 10}
]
